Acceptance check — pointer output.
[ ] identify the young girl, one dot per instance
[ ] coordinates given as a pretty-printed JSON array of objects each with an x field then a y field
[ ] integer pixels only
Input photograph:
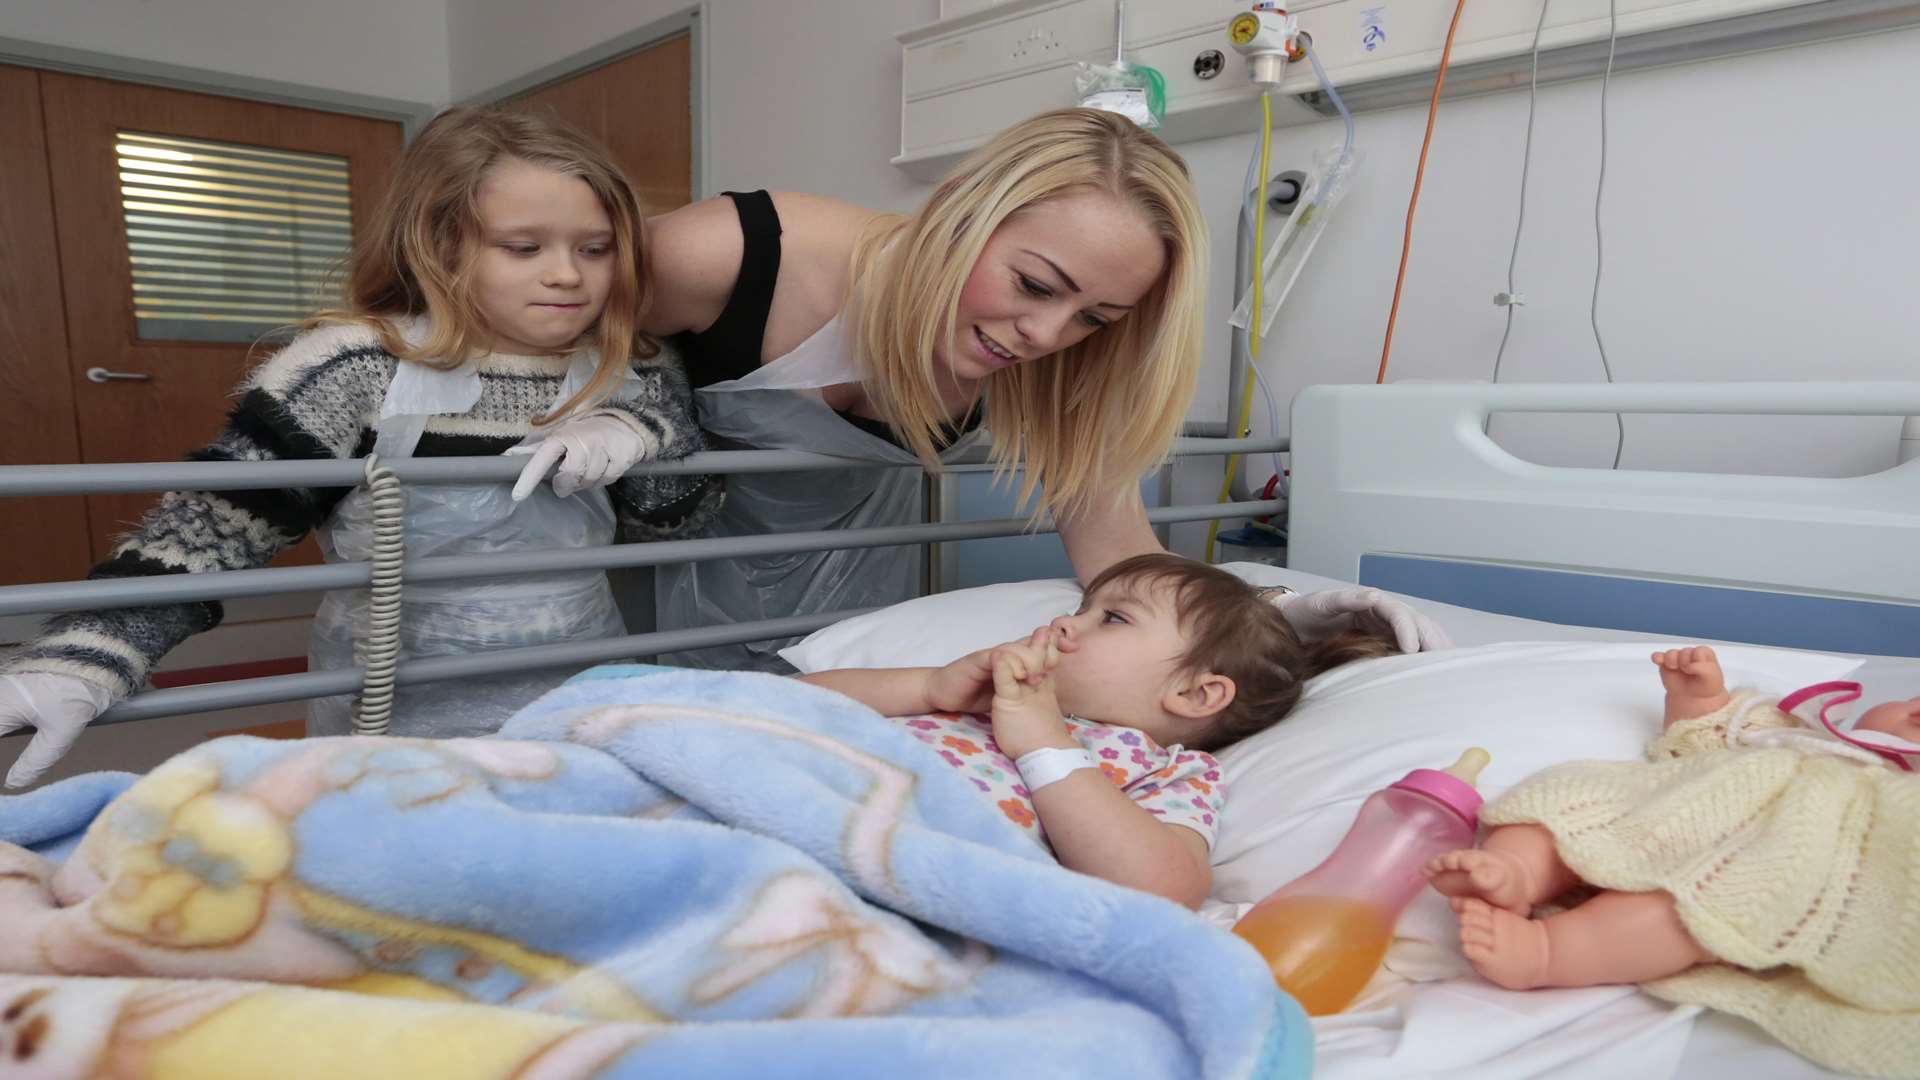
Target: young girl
[
  {"x": 1092, "y": 734},
  {"x": 1050, "y": 289},
  {"x": 491, "y": 306},
  {"x": 1755, "y": 863}
]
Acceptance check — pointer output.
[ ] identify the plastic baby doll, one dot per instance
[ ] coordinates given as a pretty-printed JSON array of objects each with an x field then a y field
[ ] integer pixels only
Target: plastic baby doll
[
  {"x": 1765, "y": 862},
  {"x": 1092, "y": 732}
]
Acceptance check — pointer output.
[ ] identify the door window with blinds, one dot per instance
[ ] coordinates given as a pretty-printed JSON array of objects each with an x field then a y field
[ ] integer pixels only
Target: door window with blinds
[{"x": 230, "y": 242}]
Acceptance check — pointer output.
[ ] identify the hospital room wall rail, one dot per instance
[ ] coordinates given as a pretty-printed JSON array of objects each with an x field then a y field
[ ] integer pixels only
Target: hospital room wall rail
[{"x": 51, "y": 597}]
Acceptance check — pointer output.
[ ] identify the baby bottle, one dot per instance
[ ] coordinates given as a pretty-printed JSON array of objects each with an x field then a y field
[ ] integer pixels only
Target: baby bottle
[{"x": 1324, "y": 934}]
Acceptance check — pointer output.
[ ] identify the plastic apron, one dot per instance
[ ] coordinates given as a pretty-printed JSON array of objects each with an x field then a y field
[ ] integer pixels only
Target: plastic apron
[
  {"x": 455, "y": 618},
  {"x": 779, "y": 407}
]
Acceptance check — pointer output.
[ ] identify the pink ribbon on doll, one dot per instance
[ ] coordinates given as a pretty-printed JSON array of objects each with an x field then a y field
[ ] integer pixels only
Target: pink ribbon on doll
[{"x": 1838, "y": 693}]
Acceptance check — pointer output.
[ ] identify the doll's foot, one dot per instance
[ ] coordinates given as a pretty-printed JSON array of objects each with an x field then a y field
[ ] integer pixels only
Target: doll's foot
[
  {"x": 1494, "y": 876},
  {"x": 1506, "y": 949}
]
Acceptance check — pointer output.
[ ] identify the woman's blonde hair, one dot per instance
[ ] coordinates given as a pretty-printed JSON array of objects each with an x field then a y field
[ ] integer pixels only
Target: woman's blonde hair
[
  {"x": 417, "y": 255},
  {"x": 1088, "y": 421}
]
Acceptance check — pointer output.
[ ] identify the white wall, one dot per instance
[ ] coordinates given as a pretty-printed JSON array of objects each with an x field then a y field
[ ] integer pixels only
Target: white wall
[
  {"x": 806, "y": 96},
  {"x": 493, "y": 42},
  {"x": 384, "y": 48},
  {"x": 800, "y": 96},
  {"x": 1759, "y": 224}
]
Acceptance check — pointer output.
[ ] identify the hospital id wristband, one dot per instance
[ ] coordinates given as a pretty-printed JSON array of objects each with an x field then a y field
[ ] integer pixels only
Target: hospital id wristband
[{"x": 1051, "y": 764}]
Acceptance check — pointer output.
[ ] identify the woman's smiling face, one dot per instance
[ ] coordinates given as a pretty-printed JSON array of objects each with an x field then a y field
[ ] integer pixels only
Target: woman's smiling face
[{"x": 1050, "y": 276}]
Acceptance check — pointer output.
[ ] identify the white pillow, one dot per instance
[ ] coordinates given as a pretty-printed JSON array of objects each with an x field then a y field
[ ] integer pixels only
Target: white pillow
[{"x": 1293, "y": 790}]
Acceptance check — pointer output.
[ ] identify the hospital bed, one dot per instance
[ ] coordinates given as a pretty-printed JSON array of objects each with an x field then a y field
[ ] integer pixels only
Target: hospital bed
[
  {"x": 1575, "y": 573},
  {"x": 1398, "y": 487}
]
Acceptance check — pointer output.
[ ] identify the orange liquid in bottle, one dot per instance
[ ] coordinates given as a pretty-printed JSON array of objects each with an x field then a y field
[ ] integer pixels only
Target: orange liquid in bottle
[{"x": 1322, "y": 949}]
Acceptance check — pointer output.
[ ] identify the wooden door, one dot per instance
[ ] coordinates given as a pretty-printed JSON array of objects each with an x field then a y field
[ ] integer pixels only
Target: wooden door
[
  {"x": 42, "y": 539},
  {"x": 182, "y": 394},
  {"x": 640, "y": 107}
]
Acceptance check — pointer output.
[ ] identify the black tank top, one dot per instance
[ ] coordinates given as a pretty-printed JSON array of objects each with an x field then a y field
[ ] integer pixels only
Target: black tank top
[{"x": 730, "y": 348}]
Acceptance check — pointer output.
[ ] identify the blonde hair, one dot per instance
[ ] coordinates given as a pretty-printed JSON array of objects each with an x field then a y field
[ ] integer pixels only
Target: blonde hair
[
  {"x": 1130, "y": 383},
  {"x": 417, "y": 255}
]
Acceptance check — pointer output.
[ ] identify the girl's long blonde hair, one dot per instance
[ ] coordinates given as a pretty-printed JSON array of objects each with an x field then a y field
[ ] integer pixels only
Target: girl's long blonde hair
[
  {"x": 1088, "y": 421},
  {"x": 417, "y": 255}
]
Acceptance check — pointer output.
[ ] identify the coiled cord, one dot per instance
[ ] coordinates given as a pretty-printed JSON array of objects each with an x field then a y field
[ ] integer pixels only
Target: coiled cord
[{"x": 379, "y": 651}]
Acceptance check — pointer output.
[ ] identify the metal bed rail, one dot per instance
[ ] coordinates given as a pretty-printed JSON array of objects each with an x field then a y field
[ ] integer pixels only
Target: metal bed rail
[{"x": 48, "y": 598}]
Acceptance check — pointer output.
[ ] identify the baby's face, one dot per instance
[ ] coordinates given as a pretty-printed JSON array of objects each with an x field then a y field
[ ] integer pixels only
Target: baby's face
[{"x": 1120, "y": 655}]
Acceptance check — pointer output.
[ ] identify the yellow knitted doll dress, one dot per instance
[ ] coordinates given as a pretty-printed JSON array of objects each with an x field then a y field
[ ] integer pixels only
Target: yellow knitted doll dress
[{"x": 1799, "y": 869}]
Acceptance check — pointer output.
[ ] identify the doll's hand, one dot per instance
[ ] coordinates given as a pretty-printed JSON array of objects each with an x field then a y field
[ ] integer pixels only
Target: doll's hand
[
  {"x": 1691, "y": 673},
  {"x": 966, "y": 685},
  {"x": 1026, "y": 714}
]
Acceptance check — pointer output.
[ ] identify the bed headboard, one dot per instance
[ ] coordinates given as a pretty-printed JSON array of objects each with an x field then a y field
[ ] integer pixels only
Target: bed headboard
[{"x": 1399, "y": 486}]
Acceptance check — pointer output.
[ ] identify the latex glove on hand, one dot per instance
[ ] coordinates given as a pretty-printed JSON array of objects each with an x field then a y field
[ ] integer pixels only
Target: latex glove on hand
[
  {"x": 591, "y": 451},
  {"x": 59, "y": 706},
  {"x": 1322, "y": 614}
]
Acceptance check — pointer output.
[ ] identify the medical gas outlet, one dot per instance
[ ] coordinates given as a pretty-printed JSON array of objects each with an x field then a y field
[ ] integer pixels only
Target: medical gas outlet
[{"x": 1268, "y": 37}]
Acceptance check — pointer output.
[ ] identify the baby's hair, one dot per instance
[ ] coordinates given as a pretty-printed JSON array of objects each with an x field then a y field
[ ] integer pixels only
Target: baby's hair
[
  {"x": 417, "y": 255},
  {"x": 1234, "y": 630}
]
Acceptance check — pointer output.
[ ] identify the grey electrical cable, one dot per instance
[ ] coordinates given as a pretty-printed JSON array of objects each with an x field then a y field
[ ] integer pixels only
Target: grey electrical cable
[
  {"x": 1526, "y": 167},
  {"x": 379, "y": 653},
  {"x": 1599, "y": 252}
]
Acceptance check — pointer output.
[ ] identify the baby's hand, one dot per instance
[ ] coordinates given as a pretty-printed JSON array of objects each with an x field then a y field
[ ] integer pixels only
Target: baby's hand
[
  {"x": 1691, "y": 673},
  {"x": 1026, "y": 662},
  {"x": 1025, "y": 709},
  {"x": 966, "y": 685}
]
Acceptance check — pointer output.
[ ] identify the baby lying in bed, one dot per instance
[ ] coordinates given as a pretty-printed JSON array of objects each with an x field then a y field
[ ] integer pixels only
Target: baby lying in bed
[{"x": 1093, "y": 732}]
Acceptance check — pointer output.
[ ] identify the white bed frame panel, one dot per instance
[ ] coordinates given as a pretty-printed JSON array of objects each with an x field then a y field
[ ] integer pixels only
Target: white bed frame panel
[{"x": 1408, "y": 471}]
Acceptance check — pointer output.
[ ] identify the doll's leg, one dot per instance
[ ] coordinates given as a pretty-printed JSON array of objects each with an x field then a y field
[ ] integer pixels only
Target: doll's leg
[
  {"x": 1515, "y": 868},
  {"x": 1616, "y": 937}
]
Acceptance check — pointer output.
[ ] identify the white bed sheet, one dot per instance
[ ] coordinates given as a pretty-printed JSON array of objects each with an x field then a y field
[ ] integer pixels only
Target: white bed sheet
[{"x": 1462, "y": 1027}]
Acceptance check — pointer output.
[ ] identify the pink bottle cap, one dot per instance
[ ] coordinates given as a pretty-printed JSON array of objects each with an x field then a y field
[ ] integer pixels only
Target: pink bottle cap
[{"x": 1452, "y": 788}]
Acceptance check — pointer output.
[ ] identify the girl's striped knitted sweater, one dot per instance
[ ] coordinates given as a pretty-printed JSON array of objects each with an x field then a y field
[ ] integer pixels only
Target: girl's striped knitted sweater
[{"x": 320, "y": 398}]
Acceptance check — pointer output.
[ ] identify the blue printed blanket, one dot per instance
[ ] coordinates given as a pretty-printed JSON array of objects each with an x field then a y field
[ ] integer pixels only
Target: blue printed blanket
[{"x": 649, "y": 872}]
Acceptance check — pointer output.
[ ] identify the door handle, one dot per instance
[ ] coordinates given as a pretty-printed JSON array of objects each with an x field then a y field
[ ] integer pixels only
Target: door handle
[{"x": 102, "y": 375}]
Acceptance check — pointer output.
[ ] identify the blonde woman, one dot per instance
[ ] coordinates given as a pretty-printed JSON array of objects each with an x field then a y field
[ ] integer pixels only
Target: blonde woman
[
  {"x": 491, "y": 306},
  {"x": 1049, "y": 290}
]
